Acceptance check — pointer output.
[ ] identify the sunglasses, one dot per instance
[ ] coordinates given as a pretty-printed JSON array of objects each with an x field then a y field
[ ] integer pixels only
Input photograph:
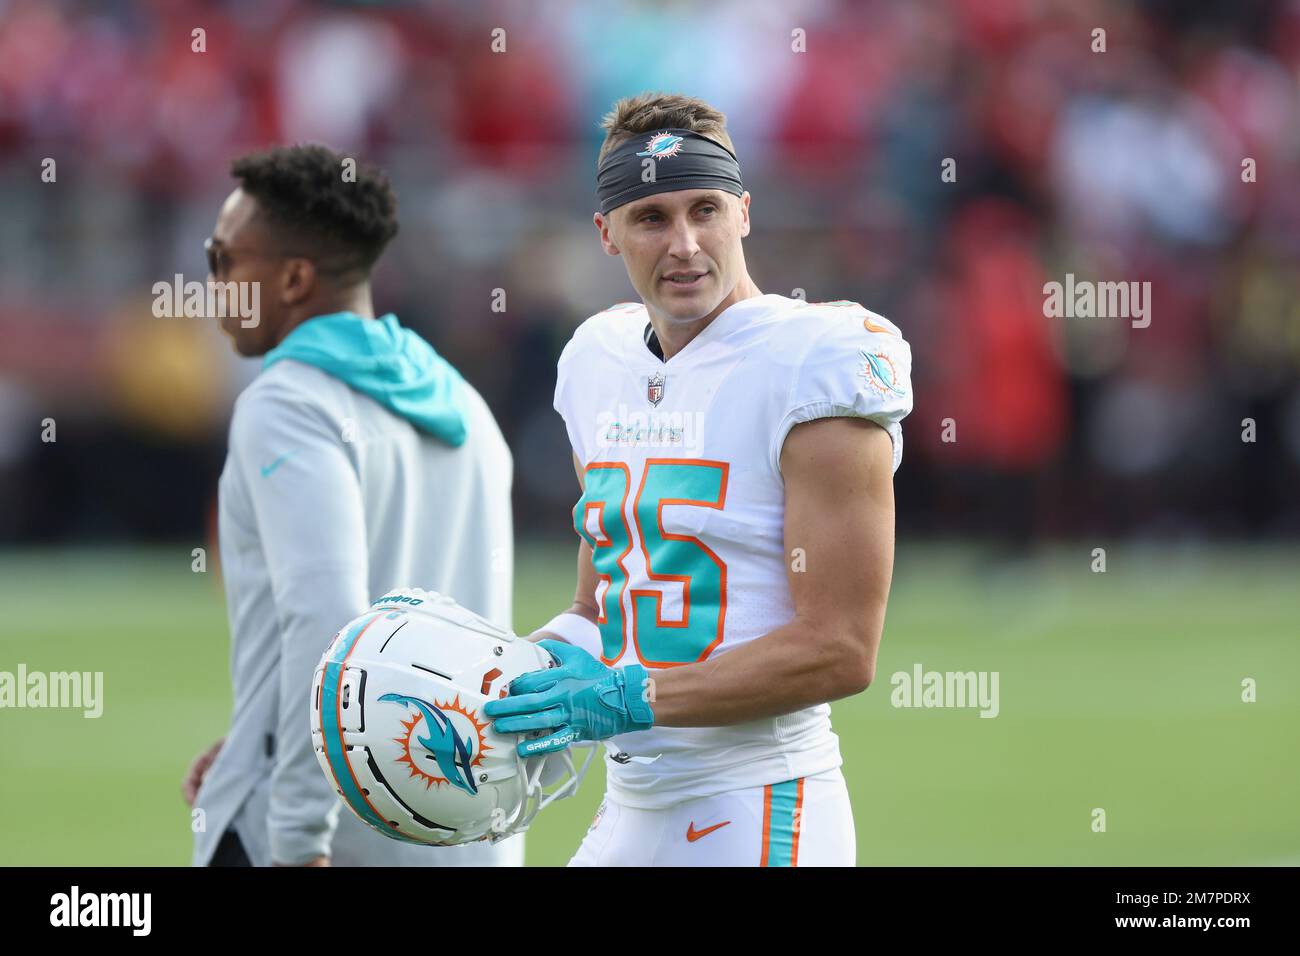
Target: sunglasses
[{"x": 219, "y": 258}]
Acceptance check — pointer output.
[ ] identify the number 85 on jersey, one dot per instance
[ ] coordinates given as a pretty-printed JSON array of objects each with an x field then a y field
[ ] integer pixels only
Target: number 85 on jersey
[{"x": 664, "y": 592}]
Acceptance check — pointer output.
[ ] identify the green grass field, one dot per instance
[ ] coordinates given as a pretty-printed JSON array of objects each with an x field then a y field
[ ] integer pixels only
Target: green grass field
[{"x": 1119, "y": 690}]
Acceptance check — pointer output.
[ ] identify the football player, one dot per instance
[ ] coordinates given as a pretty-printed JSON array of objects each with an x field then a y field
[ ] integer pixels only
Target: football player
[{"x": 736, "y": 453}]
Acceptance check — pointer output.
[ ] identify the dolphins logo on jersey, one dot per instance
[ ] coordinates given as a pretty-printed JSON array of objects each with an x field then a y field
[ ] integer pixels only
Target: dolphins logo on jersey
[
  {"x": 662, "y": 145},
  {"x": 879, "y": 372},
  {"x": 453, "y": 752}
]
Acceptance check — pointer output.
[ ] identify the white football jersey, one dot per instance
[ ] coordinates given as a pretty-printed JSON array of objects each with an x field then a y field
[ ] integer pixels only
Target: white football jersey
[{"x": 684, "y": 507}]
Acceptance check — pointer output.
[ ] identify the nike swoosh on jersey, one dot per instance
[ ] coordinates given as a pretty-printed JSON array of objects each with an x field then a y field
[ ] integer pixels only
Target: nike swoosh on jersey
[
  {"x": 693, "y": 834},
  {"x": 267, "y": 469}
]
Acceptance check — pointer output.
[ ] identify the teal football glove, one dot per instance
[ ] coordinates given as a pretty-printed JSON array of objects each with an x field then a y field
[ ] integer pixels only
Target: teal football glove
[{"x": 579, "y": 700}]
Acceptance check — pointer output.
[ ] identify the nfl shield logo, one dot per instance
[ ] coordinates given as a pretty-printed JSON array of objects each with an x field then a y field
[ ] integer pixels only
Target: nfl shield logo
[{"x": 654, "y": 388}]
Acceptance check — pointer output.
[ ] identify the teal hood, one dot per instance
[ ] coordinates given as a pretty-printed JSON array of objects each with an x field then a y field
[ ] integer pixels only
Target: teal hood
[{"x": 379, "y": 358}]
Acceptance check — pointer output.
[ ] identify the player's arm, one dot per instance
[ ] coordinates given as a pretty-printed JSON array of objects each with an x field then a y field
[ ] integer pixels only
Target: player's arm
[
  {"x": 840, "y": 511},
  {"x": 310, "y": 519},
  {"x": 577, "y": 624}
]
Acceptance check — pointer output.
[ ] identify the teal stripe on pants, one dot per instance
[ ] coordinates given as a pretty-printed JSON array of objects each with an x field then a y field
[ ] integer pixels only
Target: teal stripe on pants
[{"x": 780, "y": 846}]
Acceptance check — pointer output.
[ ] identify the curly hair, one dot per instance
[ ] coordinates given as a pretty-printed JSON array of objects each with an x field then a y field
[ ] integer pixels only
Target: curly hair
[{"x": 341, "y": 224}]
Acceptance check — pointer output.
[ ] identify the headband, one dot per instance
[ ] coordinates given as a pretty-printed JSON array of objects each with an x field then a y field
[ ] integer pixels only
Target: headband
[{"x": 680, "y": 159}]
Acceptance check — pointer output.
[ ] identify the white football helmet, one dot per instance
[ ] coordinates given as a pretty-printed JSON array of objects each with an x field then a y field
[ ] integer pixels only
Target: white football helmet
[{"x": 397, "y": 723}]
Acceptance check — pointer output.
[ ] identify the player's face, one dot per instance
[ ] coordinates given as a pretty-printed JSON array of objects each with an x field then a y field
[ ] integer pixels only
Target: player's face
[
  {"x": 682, "y": 248},
  {"x": 242, "y": 250}
]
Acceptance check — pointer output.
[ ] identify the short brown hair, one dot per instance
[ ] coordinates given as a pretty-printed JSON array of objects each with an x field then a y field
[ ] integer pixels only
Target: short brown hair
[{"x": 648, "y": 112}]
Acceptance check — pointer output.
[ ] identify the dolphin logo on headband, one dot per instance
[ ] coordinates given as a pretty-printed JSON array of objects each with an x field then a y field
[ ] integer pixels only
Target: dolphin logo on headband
[
  {"x": 663, "y": 145},
  {"x": 698, "y": 163}
]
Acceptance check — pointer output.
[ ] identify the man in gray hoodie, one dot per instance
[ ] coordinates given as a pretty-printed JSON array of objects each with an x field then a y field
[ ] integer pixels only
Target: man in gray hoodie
[{"x": 359, "y": 461}]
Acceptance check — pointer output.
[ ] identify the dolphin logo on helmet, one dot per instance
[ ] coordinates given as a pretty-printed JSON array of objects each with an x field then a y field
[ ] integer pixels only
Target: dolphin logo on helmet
[{"x": 452, "y": 752}]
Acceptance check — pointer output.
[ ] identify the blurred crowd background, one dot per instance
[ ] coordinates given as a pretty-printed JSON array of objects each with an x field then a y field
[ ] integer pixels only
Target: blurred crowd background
[{"x": 1117, "y": 166}]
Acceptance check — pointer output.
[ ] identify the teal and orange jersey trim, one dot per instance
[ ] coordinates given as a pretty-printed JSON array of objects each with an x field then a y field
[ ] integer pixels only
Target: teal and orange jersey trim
[{"x": 782, "y": 816}]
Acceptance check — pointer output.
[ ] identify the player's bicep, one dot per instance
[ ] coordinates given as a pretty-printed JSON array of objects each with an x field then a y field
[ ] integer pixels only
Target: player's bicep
[{"x": 840, "y": 516}]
